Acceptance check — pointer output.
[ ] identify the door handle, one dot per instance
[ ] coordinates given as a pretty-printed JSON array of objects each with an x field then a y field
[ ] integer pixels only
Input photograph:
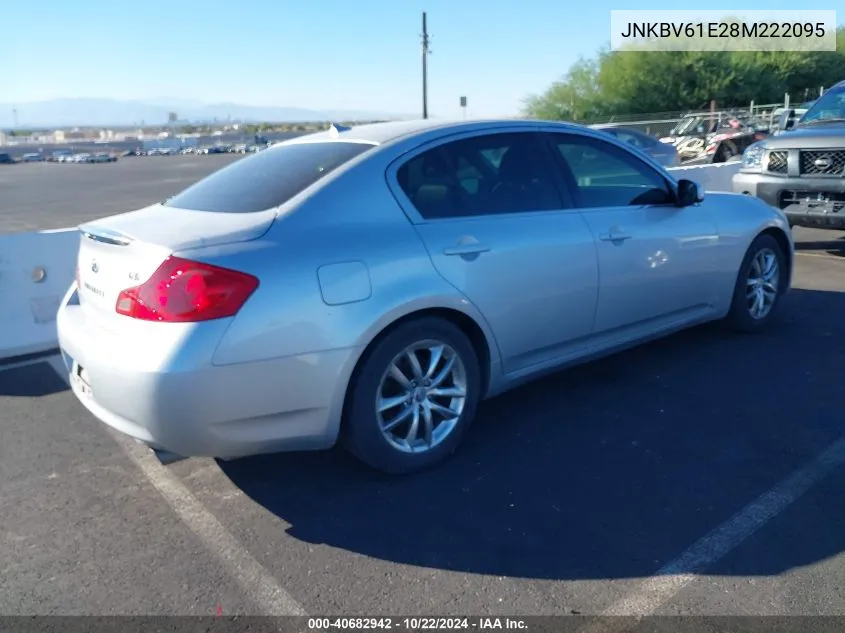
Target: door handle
[
  {"x": 615, "y": 236},
  {"x": 466, "y": 249}
]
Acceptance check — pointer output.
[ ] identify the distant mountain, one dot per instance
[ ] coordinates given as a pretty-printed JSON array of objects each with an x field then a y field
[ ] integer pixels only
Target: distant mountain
[{"x": 113, "y": 112}]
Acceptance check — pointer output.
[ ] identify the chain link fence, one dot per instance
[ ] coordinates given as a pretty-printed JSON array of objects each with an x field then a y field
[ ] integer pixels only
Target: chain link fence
[{"x": 662, "y": 123}]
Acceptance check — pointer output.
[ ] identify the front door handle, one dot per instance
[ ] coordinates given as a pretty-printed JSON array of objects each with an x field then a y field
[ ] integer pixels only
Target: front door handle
[
  {"x": 472, "y": 248},
  {"x": 615, "y": 236}
]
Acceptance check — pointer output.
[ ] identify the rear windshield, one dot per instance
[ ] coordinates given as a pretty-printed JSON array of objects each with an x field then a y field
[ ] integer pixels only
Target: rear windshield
[{"x": 266, "y": 179}]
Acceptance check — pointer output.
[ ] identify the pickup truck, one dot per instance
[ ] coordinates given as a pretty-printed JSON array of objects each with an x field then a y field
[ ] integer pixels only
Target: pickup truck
[{"x": 802, "y": 170}]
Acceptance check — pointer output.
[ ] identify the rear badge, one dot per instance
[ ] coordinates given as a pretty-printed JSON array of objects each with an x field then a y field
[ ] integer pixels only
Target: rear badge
[
  {"x": 94, "y": 267},
  {"x": 96, "y": 291}
]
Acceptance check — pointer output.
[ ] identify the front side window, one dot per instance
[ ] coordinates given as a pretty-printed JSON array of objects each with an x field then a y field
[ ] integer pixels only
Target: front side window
[
  {"x": 604, "y": 175},
  {"x": 482, "y": 175},
  {"x": 267, "y": 179}
]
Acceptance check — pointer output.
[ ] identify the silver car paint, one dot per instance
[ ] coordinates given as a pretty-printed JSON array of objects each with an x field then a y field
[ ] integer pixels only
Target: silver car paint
[{"x": 275, "y": 376}]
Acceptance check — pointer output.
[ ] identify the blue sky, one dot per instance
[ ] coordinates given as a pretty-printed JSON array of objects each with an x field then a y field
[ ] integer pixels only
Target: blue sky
[{"x": 317, "y": 54}]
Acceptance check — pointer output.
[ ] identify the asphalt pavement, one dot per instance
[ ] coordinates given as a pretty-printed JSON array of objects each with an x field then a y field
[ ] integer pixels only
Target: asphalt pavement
[
  {"x": 18, "y": 151},
  {"x": 701, "y": 474},
  {"x": 43, "y": 196}
]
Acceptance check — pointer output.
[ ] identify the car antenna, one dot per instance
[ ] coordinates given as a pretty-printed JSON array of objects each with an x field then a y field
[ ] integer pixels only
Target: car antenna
[{"x": 335, "y": 129}]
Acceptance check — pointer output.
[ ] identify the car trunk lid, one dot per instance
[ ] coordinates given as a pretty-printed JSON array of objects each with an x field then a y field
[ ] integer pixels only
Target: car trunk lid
[{"x": 123, "y": 251}]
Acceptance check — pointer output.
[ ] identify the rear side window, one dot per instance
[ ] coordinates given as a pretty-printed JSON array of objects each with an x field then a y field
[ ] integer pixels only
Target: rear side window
[
  {"x": 266, "y": 179},
  {"x": 506, "y": 172}
]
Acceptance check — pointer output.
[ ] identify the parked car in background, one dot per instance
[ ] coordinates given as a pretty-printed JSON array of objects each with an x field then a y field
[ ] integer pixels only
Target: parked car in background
[
  {"x": 372, "y": 285},
  {"x": 102, "y": 157},
  {"x": 33, "y": 157},
  {"x": 801, "y": 171},
  {"x": 6, "y": 159},
  {"x": 704, "y": 139},
  {"x": 61, "y": 156},
  {"x": 663, "y": 153}
]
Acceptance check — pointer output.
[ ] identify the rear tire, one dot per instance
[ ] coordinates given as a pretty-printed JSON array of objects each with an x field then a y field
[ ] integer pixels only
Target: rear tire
[
  {"x": 760, "y": 285},
  {"x": 429, "y": 408}
]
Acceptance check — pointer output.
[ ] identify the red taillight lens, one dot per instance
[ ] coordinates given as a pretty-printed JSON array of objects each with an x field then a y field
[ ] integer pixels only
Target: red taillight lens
[{"x": 183, "y": 291}]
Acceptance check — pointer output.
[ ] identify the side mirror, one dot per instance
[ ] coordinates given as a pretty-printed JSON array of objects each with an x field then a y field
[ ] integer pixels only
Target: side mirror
[
  {"x": 689, "y": 193},
  {"x": 789, "y": 120}
]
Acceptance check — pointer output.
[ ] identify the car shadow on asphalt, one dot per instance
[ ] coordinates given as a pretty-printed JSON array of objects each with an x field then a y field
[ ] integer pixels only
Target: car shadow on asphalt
[
  {"x": 31, "y": 381},
  {"x": 608, "y": 470}
]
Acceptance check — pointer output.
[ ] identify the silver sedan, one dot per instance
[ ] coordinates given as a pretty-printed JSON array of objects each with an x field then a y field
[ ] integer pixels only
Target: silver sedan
[{"x": 372, "y": 285}]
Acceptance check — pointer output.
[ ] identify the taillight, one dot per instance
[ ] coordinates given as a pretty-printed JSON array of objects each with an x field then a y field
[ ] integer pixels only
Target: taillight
[{"x": 182, "y": 291}]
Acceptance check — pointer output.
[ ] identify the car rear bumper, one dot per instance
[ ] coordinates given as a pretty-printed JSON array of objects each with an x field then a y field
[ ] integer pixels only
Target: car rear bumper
[
  {"x": 174, "y": 399},
  {"x": 810, "y": 202}
]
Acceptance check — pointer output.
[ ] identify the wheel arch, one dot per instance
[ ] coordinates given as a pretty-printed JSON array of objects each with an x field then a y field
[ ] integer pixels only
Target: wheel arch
[
  {"x": 471, "y": 325},
  {"x": 785, "y": 244}
]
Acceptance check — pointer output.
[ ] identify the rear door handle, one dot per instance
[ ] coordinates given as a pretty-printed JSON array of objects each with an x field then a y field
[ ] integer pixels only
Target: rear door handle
[
  {"x": 615, "y": 236},
  {"x": 466, "y": 249}
]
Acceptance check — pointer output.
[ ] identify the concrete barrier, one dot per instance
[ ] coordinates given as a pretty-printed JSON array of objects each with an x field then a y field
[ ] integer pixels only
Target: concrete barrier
[
  {"x": 36, "y": 269},
  {"x": 715, "y": 177}
]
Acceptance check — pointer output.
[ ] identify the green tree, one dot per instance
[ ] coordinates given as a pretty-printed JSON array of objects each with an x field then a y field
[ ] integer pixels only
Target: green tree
[{"x": 640, "y": 82}]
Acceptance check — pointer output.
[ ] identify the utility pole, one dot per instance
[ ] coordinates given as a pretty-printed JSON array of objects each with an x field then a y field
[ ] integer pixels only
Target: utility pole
[
  {"x": 15, "y": 117},
  {"x": 425, "y": 53}
]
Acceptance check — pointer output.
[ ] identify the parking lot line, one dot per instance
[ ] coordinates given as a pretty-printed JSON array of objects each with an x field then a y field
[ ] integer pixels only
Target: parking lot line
[
  {"x": 258, "y": 584},
  {"x": 675, "y": 575},
  {"x": 822, "y": 256}
]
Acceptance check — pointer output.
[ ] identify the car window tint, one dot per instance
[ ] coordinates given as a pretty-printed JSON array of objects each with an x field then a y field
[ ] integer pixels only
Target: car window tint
[
  {"x": 607, "y": 176},
  {"x": 267, "y": 179},
  {"x": 484, "y": 175}
]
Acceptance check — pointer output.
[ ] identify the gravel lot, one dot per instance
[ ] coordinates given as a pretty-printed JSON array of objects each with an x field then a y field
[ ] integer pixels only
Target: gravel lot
[{"x": 696, "y": 458}]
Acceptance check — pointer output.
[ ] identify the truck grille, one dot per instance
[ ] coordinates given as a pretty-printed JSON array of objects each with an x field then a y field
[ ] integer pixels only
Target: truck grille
[
  {"x": 777, "y": 162},
  {"x": 814, "y": 199},
  {"x": 823, "y": 162}
]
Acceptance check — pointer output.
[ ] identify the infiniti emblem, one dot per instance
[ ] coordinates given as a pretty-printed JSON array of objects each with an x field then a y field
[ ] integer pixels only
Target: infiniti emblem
[
  {"x": 94, "y": 267},
  {"x": 822, "y": 163}
]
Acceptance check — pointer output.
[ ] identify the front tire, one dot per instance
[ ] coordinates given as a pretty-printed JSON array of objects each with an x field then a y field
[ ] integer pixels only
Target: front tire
[
  {"x": 413, "y": 397},
  {"x": 760, "y": 284}
]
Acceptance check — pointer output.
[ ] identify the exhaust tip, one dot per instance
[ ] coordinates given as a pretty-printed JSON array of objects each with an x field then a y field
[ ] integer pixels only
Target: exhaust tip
[{"x": 166, "y": 457}]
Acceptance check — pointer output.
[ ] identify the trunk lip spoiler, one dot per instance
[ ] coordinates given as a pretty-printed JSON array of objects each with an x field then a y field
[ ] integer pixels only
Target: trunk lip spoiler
[{"x": 107, "y": 236}]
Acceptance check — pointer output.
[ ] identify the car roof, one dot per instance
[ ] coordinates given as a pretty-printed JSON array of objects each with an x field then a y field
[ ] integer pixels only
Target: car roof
[{"x": 387, "y": 132}]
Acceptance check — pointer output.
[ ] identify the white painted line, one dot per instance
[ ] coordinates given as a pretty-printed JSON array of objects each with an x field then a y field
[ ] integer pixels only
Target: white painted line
[
  {"x": 822, "y": 256},
  {"x": 257, "y": 583},
  {"x": 677, "y": 574}
]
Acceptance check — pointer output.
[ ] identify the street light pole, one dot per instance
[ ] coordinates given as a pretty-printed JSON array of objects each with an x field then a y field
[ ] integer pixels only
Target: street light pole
[{"x": 425, "y": 52}]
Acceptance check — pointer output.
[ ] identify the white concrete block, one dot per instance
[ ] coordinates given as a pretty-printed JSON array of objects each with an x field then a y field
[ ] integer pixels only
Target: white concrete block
[{"x": 36, "y": 269}]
